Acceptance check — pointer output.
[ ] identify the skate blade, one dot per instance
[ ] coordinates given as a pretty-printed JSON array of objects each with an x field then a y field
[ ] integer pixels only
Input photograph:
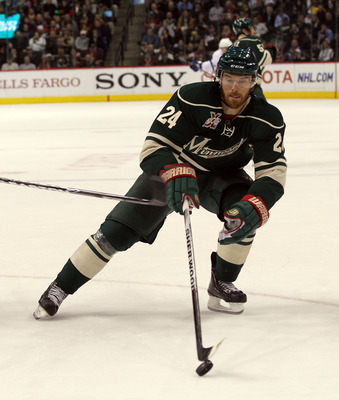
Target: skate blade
[
  {"x": 40, "y": 313},
  {"x": 214, "y": 304}
]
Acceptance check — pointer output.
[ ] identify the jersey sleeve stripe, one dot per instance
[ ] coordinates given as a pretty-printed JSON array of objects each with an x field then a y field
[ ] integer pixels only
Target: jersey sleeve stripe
[
  {"x": 276, "y": 171},
  {"x": 155, "y": 142},
  {"x": 197, "y": 104},
  {"x": 264, "y": 165},
  {"x": 262, "y": 120}
]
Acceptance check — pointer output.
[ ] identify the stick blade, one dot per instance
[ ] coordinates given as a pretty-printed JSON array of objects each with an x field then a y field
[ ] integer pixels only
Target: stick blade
[{"x": 208, "y": 352}]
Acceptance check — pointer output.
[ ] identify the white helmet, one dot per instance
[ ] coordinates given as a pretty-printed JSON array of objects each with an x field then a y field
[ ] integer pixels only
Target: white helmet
[{"x": 225, "y": 43}]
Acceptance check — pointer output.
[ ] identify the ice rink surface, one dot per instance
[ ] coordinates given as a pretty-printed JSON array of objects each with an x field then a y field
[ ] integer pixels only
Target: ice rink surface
[{"x": 128, "y": 334}]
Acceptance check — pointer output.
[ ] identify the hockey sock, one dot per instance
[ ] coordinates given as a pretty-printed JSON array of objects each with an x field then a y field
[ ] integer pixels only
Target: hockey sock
[
  {"x": 70, "y": 279},
  {"x": 88, "y": 260},
  {"x": 93, "y": 255},
  {"x": 231, "y": 258},
  {"x": 226, "y": 271}
]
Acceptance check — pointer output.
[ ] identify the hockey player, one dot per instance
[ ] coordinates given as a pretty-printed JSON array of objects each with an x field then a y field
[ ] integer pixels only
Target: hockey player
[
  {"x": 245, "y": 32},
  {"x": 199, "y": 143},
  {"x": 209, "y": 67}
]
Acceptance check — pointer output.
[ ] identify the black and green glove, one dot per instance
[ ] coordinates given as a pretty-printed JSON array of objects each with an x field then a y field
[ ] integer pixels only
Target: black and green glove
[
  {"x": 181, "y": 181},
  {"x": 243, "y": 218}
]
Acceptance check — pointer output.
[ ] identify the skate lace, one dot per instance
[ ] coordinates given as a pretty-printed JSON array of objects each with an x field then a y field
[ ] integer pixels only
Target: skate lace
[
  {"x": 56, "y": 294},
  {"x": 228, "y": 287}
]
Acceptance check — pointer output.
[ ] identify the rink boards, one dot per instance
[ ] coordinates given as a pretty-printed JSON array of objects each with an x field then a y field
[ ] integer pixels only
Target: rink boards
[{"x": 280, "y": 80}]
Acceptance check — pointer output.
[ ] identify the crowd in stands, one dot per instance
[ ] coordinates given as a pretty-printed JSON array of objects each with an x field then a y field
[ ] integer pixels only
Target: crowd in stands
[
  {"x": 178, "y": 32},
  {"x": 63, "y": 33},
  {"x": 58, "y": 33}
]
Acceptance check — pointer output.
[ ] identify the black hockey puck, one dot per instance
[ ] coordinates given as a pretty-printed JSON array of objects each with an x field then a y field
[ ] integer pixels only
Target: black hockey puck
[{"x": 204, "y": 368}]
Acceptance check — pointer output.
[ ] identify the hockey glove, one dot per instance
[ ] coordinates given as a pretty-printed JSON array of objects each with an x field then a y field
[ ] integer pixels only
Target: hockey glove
[
  {"x": 273, "y": 45},
  {"x": 195, "y": 65},
  {"x": 242, "y": 219},
  {"x": 181, "y": 181}
]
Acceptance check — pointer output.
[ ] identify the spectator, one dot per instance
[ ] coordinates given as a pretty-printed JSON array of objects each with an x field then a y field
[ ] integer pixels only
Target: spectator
[
  {"x": 83, "y": 12},
  {"x": 158, "y": 14},
  {"x": 327, "y": 33},
  {"x": 215, "y": 14},
  {"x": 148, "y": 60},
  {"x": 321, "y": 13},
  {"x": 180, "y": 52},
  {"x": 88, "y": 61},
  {"x": 226, "y": 32},
  {"x": 305, "y": 41},
  {"x": 210, "y": 39},
  {"x": 71, "y": 24},
  {"x": 97, "y": 40},
  {"x": 293, "y": 54},
  {"x": 67, "y": 40},
  {"x": 65, "y": 7},
  {"x": 281, "y": 19},
  {"x": 185, "y": 24},
  {"x": 27, "y": 32},
  {"x": 51, "y": 18},
  {"x": 19, "y": 42},
  {"x": 52, "y": 42},
  {"x": 166, "y": 40},
  {"x": 326, "y": 52},
  {"x": 54, "y": 26},
  {"x": 182, "y": 5},
  {"x": 260, "y": 27},
  {"x": 330, "y": 21},
  {"x": 97, "y": 55},
  {"x": 41, "y": 24},
  {"x": 269, "y": 18},
  {"x": 201, "y": 24},
  {"x": 171, "y": 6},
  {"x": 103, "y": 31},
  {"x": 190, "y": 50},
  {"x": 13, "y": 54},
  {"x": 50, "y": 6},
  {"x": 27, "y": 64},
  {"x": 151, "y": 38},
  {"x": 10, "y": 65},
  {"x": 61, "y": 62},
  {"x": 82, "y": 43},
  {"x": 171, "y": 22},
  {"x": 38, "y": 45},
  {"x": 168, "y": 28},
  {"x": 47, "y": 61},
  {"x": 74, "y": 59},
  {"x": 230, "y": 12}
]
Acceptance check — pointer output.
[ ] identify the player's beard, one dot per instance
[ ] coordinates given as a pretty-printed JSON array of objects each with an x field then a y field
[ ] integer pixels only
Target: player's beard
[{"x": 234, "y": 99}]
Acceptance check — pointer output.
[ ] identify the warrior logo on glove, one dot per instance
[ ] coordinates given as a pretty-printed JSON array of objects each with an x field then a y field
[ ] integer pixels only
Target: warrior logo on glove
[{"x": 181, "y": 182}]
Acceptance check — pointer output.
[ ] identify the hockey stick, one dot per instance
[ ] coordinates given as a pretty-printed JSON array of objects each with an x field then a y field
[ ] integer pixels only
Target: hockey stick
[
  {"x": 204, "y": 353},
  {"x": 157, "y": 186},
  {"x": 199, "y": 69}
]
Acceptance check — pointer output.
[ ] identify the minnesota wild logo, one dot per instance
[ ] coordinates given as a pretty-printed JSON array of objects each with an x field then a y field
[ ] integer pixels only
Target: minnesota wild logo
[{"x": 213, "y": 121}]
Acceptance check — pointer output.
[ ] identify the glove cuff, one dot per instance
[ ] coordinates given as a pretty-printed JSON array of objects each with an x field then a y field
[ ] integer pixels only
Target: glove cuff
[
  {"x": 259, "y": 206},
  {"x": 173, "y": 171}
]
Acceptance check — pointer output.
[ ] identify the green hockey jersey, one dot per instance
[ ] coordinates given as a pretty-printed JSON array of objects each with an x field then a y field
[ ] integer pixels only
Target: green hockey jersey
[
  {"x": 192, "y": 128},
  {"x": 264, "y": 56}
]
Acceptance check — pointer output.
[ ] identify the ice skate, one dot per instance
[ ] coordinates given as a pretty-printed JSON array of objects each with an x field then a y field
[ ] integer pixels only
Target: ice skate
[
  {"x": 224, "y": 296},
  {"x": 50, "y": 301}
]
